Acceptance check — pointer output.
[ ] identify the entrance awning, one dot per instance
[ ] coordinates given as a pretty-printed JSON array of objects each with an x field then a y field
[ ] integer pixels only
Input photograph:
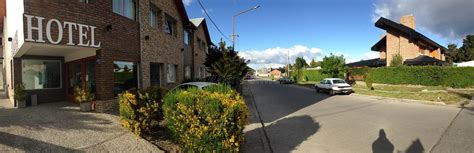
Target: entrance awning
[{"x": 69, "y": 53}]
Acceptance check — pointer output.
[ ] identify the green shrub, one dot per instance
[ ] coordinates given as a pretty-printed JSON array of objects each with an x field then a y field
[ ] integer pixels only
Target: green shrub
[
  {"x": 140, "y": 111},
  {"x": 19, "y": 93},
  {"x": 368, "y": 81},
  {"x": 397, "y": 60},
  {"x": 455, "y": 77},
  {"x": 206, "y": 120}
]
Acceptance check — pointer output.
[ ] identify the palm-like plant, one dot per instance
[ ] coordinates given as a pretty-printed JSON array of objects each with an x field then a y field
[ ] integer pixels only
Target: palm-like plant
[{"x": 225, "y": 64}]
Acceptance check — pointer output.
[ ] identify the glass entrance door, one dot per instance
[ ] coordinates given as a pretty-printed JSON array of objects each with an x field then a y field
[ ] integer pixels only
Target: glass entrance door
[{"x": 80, "y": 73}]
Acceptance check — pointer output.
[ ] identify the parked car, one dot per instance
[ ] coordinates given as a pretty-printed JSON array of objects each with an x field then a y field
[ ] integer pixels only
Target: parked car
[
  {"x": 199, "y": 85},
  {"x": 285, "y": 80},
  {"x": 333, "y": 86}
]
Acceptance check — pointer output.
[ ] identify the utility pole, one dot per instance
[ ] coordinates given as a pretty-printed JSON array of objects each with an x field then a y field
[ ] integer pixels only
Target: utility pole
[
  {"x": 233, "y": 23},
  {"x": 288, "y": 64}
]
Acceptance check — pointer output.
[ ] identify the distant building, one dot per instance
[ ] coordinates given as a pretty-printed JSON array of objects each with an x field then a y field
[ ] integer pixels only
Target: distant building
[
  {"x": 402, "y": 38},
  {"x": 263, "y": 72},
  {"x": 276, "y": 73}
]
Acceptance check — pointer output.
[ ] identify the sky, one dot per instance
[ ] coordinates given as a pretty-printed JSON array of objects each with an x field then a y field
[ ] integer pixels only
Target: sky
[{"x": 313, "y": 29}]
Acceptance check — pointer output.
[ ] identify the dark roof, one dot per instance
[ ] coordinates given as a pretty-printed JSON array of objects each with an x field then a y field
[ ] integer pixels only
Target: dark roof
[
  {"x": 376, "y": 62},
  {"x": 385, "y": 24},
  {"x": 182, "y": 12},
  {"x": 380, "y": 44},
  {"x": 425, "y": 60}
]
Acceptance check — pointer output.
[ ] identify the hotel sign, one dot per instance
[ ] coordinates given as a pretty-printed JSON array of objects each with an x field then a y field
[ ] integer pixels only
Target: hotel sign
[{"x": 86, "y": 33}]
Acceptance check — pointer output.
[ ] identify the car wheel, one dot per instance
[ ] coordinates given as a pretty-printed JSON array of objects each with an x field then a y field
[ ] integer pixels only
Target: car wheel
[
  {"x": 331, "y": 92},
  {"x": 317, "y": 89}
]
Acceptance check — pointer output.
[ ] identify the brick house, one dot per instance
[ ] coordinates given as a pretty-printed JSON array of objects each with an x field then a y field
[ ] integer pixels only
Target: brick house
[
  {"x": 201, "y": 40},
  {"x": 107, "y": 46},
  {"x": 402, "y": 38},
  {"x": 276, "y": 73}
]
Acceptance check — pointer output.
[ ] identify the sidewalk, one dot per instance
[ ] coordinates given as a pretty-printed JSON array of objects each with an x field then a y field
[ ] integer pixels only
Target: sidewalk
[
  {"x": 61, "y": 127},
  {"x": 255, "y": 139}
]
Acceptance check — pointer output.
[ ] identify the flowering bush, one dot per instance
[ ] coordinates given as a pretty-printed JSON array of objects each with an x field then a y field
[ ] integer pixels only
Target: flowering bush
[
  {"x": 205, "y": 120},
  {"x": 140, "y": 111}
]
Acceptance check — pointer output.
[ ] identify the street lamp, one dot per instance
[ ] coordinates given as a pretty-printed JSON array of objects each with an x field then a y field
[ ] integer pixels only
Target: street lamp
[{"x": 233, "y": 23}]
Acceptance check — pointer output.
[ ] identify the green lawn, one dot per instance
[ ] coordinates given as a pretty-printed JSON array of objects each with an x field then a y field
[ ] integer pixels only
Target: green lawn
[{"x": 429, "y": 93}]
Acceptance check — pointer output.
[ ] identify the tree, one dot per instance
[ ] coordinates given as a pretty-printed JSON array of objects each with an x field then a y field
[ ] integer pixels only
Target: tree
[
  {"x": 333, "y": 66},
  {"x": 462, "y": 54},
  {"x": 300, "y": 64},
  {"x": 468, "y": 48},
  {"x": 226, "y": 65},
  {"x": 452, "y": 54},
  {"x": 397, "y": 60},
  {"x": 313, "y": 63}
]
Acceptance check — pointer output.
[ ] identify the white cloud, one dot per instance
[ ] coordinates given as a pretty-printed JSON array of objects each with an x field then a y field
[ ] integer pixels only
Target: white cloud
[
  {"x": 450, "y": 19},
  {"x": 187, "y": 2},
  {"x": 276, "y": 57}
]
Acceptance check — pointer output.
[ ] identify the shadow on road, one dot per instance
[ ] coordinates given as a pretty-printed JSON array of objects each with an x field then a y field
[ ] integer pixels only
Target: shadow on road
[
  {"x": 286, "y": 134},
  {"x": 275, "y": 100},
  {"x": 383, "y": 145}
]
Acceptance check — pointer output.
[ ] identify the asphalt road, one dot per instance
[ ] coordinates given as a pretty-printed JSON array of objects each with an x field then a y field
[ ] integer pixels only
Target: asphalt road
[{"x": 297, "y": 119}]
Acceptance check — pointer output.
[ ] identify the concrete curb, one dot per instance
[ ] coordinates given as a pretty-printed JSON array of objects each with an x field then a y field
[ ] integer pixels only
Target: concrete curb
[{"x": 261, "y": 126}]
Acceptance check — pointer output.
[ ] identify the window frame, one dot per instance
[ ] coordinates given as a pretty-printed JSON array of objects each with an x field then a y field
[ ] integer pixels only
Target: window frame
[
  {"x": 137, "y": 75},
  {"x": 170, "y": 22},
  {"x": 186, "y": 37},
  {"x": 156, "y": 11},
  {"x": 175, "y": 79},
  {"x": 122, "y": 7},
  {"x": 51, "y": 60}
]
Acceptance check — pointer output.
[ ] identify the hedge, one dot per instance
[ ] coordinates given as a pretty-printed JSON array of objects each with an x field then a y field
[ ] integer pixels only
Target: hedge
[
  {"x": 311, "y": 75},
  {"x": 208, "y": 120},
  {"x": 455, "y": 77}
]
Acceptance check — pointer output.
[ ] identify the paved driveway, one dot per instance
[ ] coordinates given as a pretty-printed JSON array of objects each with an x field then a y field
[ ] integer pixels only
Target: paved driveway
[
  {"x": 299, "y": 120},
  {"x": 61, "y": 127}
]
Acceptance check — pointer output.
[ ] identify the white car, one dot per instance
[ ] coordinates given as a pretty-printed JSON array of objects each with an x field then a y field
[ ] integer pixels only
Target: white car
[
  {"x": 199, "y": 85},
  {"x": 333, "y": 86}
]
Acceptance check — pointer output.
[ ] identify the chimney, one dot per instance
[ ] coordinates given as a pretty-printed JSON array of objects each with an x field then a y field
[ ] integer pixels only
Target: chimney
[{"x": 409, "y": 21}]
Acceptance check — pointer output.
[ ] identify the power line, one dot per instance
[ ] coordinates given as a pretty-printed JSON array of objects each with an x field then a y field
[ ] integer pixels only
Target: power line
[{"x": 209, "y": 17}]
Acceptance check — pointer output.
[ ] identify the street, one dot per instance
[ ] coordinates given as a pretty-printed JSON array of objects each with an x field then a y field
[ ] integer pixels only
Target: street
[{"x": 297, "y": 119}]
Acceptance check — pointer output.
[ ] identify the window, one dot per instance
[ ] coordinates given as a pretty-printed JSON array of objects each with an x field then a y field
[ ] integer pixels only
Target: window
[
  {"x": 202, "y": 72},
  {"x": 125, "y": 8},
  {"x": 155, "y": 70},
  {"x": 338, "y": 81},
  {"x": 187, "y": 72},
  {"x": 125, "y": 76},
  {"x": 170, "y": 24},
  {"x": 186, "y": 37},
  {"x": 87, "y": 1},
  {"x": 199, "y": 43},
  {"x": 41, "y": 74},
  {"x": 171, "y": 73},
  {"x": 204, "y": 46},
  {"x": 153, "y": 16}
]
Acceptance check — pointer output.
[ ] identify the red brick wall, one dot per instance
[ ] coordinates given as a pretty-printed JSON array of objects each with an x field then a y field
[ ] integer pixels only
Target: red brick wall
[
  {"x": 3, "y": 12},
  {"x": 121, "y": 42}
]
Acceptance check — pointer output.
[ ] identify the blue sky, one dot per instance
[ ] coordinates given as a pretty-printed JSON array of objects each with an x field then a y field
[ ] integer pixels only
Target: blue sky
[{"x": 312, "y": 28}]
